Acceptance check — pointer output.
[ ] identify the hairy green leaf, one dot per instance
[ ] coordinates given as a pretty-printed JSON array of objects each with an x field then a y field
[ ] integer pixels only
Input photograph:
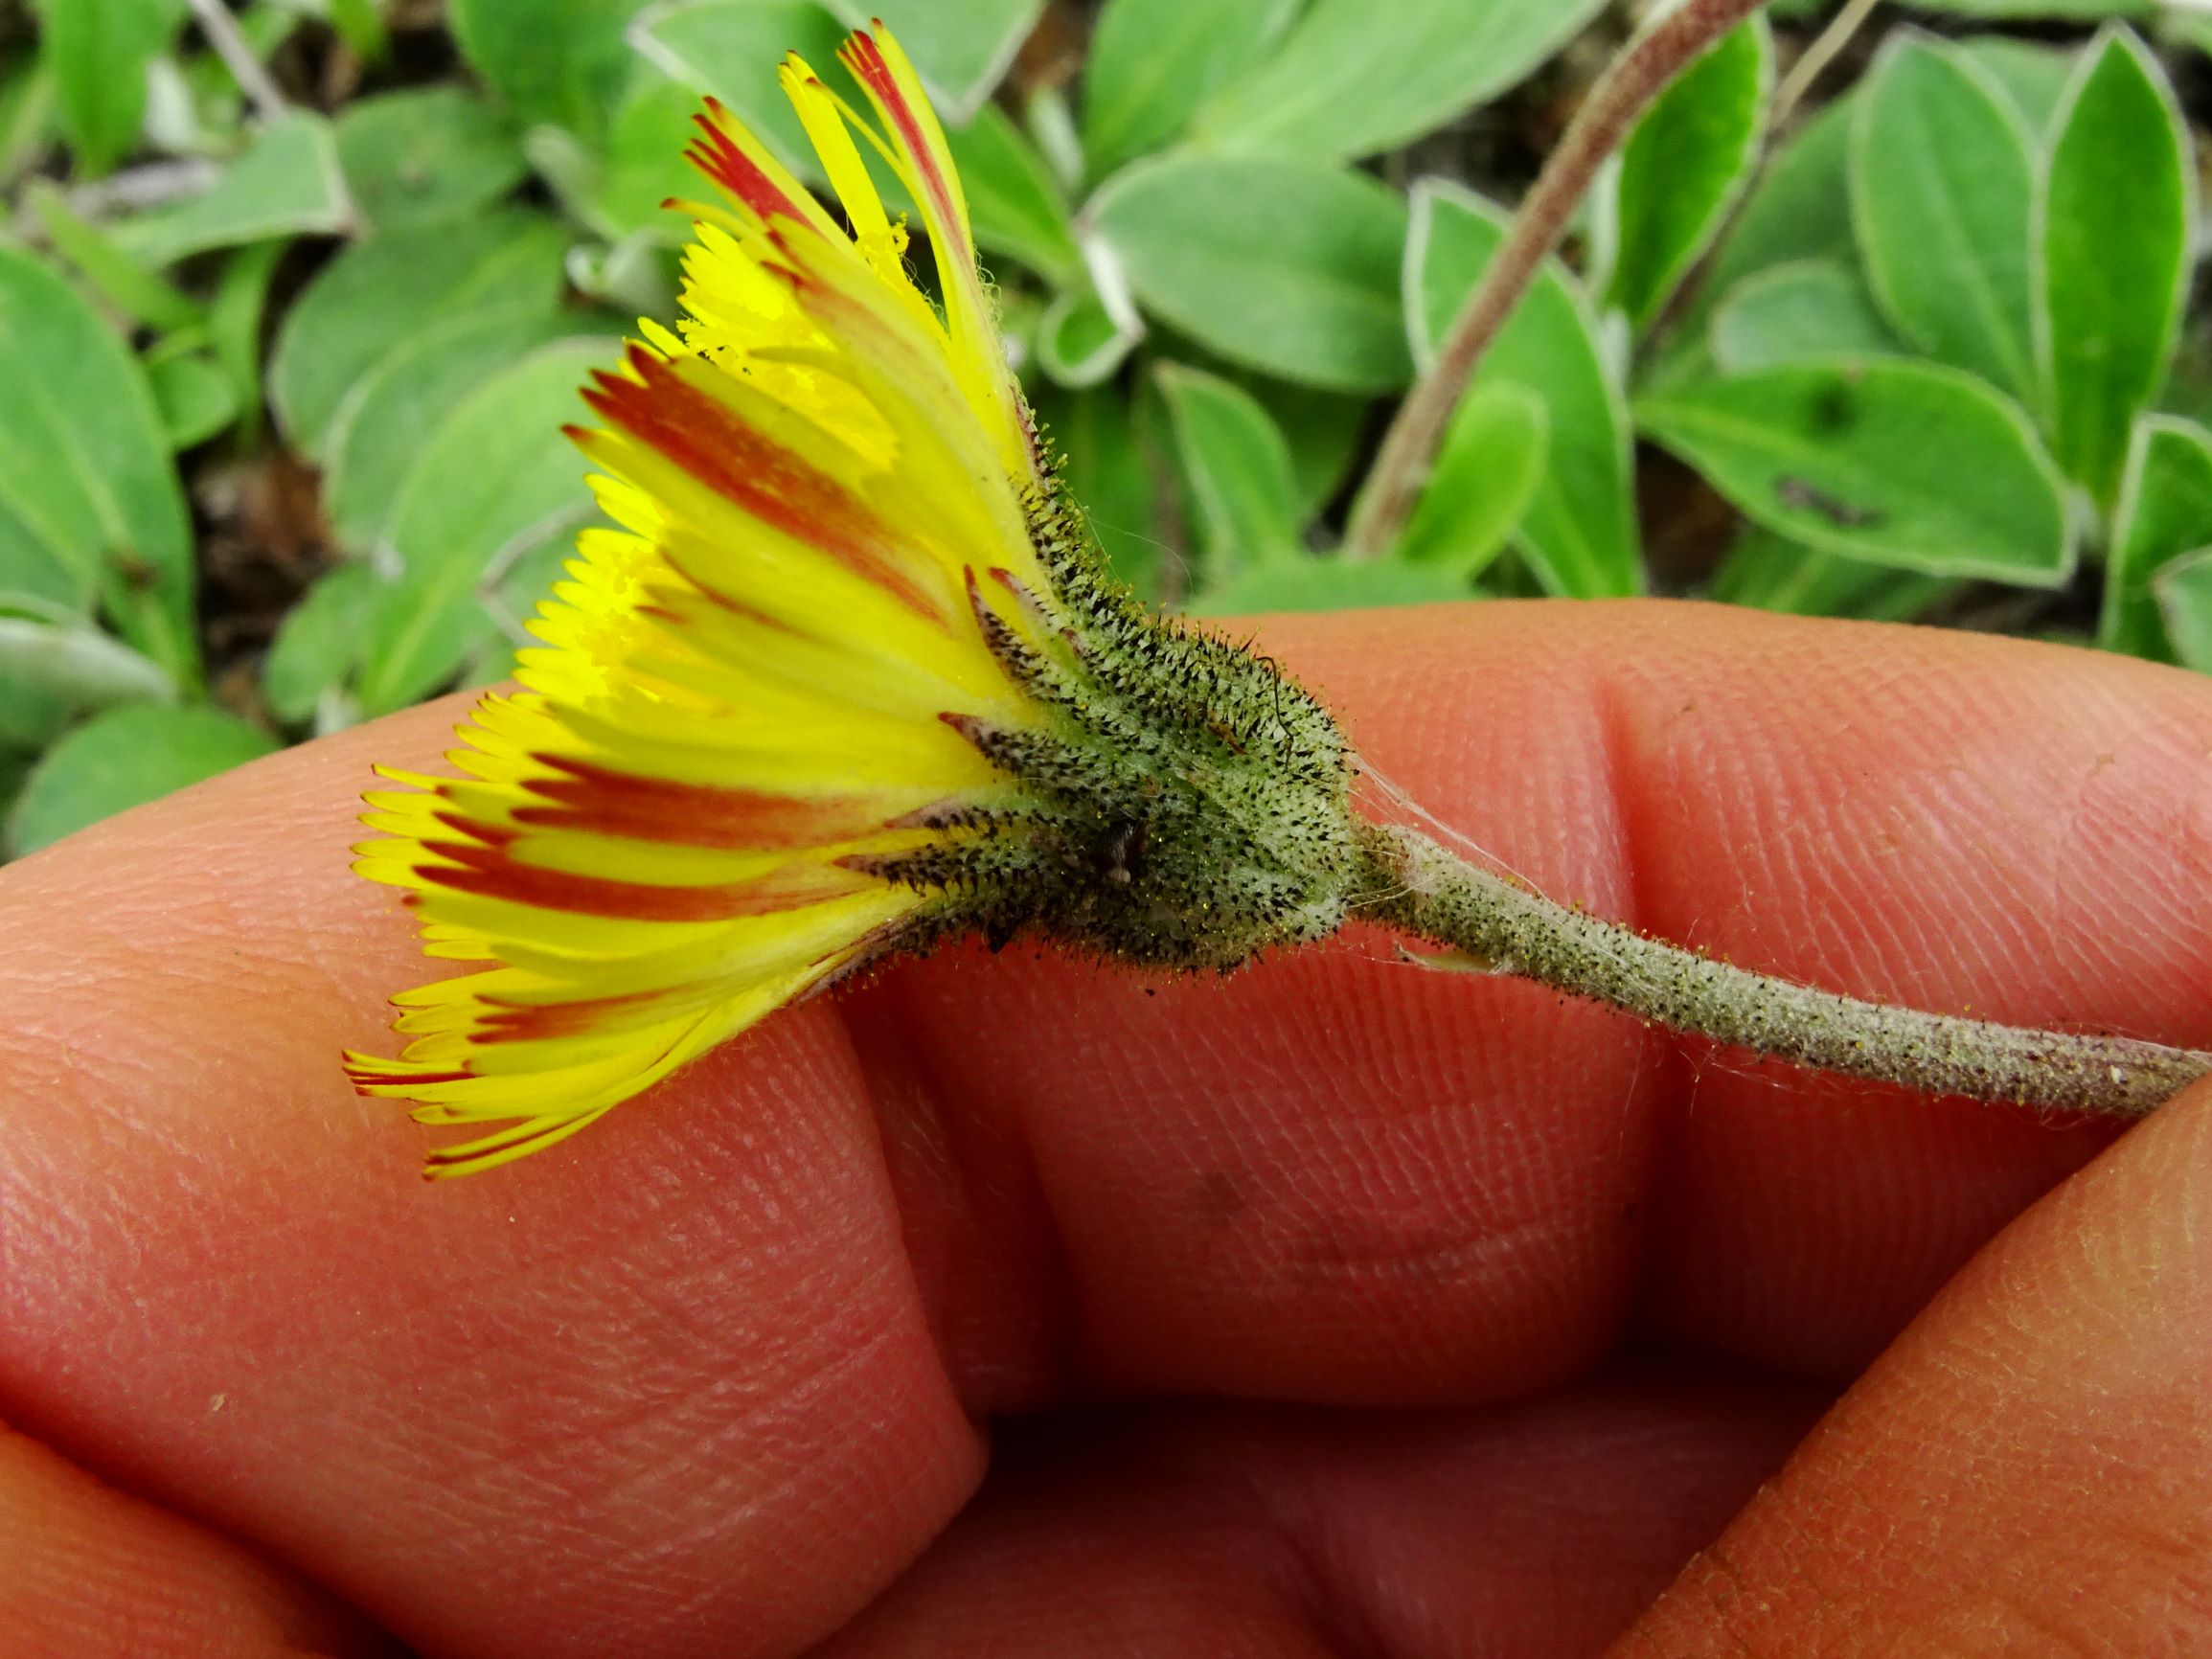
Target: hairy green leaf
[
  {"x": 1153, "y": 62},
  {"x": 1352, "y": 77},
  {"x": 1943, "y": 178},
  {"x": 1284, "y": 265},
  {"x": 1891, "y": 460},
  {"x": 498, "y": 478},
  {"x": 1236, "y": 466},
  {"x": 2164, "y": 512},
  {"x": 426, "y": 154},
  {"x": 125, "y": 758},
  {"x": 98, "y": 52},
  {"x": 90, "y": 500},
  {"x": 1579, "y": 533},
  {"x": 376, "y": 297},
  {"x": 2114, "y": 255},
  {"x": 1787, "y": 313},
  {"x": 1684, "y": 166}
]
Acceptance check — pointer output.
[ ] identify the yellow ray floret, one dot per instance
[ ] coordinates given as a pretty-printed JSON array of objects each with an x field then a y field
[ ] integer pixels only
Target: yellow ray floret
[{"x": 754, "y": 686}]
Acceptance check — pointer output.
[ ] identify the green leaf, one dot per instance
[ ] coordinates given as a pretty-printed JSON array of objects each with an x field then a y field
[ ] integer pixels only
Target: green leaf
[
  {"x": 26, "y": 111},
  {"x": 120, "y": 277},
  {"x": 2040, "y": 10},
  {"x": 54, "y": 666},
  {"x": 642, "y": 165},
  {"x": 388, "y": 419},
  {"x": 1799, "y": 210},
  {"x": 196, "y": 397},
  {"x": 55, "y": 647},
  {"x": 1236, "y": 466},
  {"x": 234, "y": 324},
  {"x": 1891, "y": 460},
  {"x": 288, "y": 183},
  {"x": 2164, "y": 511},
  {"x": 1153, "y": 62},
  {"x": 1079, "y": 343},
  {"x": 1485, "y": 475},
  {"x": 267, "y": 25},
  {"x": 1101, "y": 442},
  {"x": 425, "y": 155},
  {"x": 1580, "y": 532},
  {"x": 89, "y": 497},
  {"x": 2184, "y": 593},
  {"x": 1352, "y": 77},
  {"x": 14, "y": 767},
  {"x": 123, "y": 758},
  {"x": 563, "y": 62},
  {"x": 1284, "y": 265},
  {"x": 731, "y": 49},
  {"x": 29, "y": 570},
  {"x": 1769, "y": 572},
  {"x": 1942, "y": 183},
  {"x": 2114, "y": 255},
  {"x": 1684, "y": 166},
  {"x": 31, "y": 715},
  {"x": 2033, "y": 76},
  {"x": 510, "y": 597},
  {"x": 1787, "y": 313},
  {"x": 1325, "y": 584},
  {"x": 960, "y": 51},
  {"x": 318, "y": 645},
  {"x": 375, "y": 298},
  {"x": 98, "y": 51},
  {"x": 1014, "y": 206},
  {"x": 496, "y": 480},
  {"x": 1323, "y": 430},
  {"x": 361, "y": 27}
]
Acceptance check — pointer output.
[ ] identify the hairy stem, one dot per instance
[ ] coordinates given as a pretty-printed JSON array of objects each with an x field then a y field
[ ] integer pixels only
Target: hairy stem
[
  {"x": 1603, "y": 123},
  {"x": 1416, "y": 885}
]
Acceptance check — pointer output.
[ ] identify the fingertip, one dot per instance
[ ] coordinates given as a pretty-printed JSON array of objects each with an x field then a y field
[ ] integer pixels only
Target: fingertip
[{"x": 2029, "y": 1466}]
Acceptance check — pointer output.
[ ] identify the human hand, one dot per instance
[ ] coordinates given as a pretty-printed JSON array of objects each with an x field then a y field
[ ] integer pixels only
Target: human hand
[{"x": 1496, "y": 1308}]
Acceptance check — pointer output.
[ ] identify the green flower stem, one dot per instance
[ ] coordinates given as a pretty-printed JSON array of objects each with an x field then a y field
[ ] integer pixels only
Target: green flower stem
[
  {"x": 1815, "y": 59},
  {"x": 1601, "y": 126},
  {"x": 221, "y": 30},
  {"x": 1412, "y": 884}
]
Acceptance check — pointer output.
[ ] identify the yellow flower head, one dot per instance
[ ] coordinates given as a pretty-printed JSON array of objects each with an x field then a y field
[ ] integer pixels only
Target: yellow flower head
[{"x": 851, "y": 679}]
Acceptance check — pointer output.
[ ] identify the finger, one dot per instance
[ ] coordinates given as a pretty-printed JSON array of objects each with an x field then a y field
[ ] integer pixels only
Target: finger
[
  {"x": 484, "y": 1409},
  {"x": 93, "y": 1574},
  {"x": 677, "y": 1398},
  {"x": 1337, "y": 1178},
  {"x": 1530, "y": 1532},
  {"x": 2029, "y": 1469}
]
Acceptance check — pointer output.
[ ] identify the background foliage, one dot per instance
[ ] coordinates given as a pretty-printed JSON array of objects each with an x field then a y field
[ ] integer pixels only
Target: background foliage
[{"x": 294, "y": 299}]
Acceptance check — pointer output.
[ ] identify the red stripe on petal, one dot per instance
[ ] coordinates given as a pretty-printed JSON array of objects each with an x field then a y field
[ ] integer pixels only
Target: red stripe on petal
[
  {"x": 717, "y": 155},
  {"x": 456, "y": 1160},
  {"x": 364, "y": 1072},
  {"x": 489, "y": 873},
  {"x": 865, "y": 59},
  {"x": 742, "y": 464},
  {"x": 525, "y": 1022},
  {"x": 601, "y": 801}
]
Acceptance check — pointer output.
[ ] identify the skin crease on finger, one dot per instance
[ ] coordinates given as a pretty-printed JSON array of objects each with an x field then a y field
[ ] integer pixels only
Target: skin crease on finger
[
  {"x": 702, "y": 1381},
  {"x": 2027, "y": 1471},
  {"x": 1538, "y": 1530},
  {"x": 89, "y": 1572}
]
